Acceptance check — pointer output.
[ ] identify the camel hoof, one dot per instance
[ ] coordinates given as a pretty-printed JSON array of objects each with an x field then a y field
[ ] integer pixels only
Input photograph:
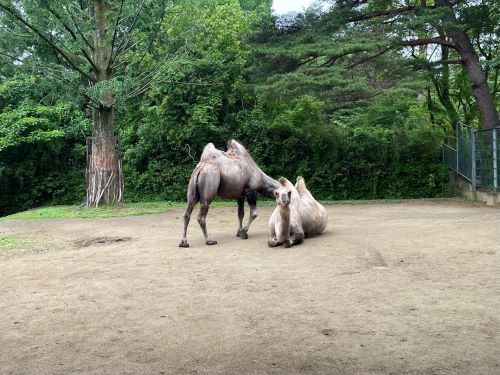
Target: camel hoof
[
  {"x": 288, "y": 243},
  {"x": 211, "y": 242},
  {"x": 183, "y": 244},
  {"x": 242, "y": 234},
  {"x": 272, "y": 244}
]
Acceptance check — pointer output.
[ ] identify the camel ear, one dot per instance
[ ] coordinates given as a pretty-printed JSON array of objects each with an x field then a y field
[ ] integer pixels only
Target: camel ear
[{"x": 282, "y": 180}]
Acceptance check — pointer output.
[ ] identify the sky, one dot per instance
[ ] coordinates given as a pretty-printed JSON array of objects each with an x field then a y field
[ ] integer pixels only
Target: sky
[{"x": 285, "y": 6}]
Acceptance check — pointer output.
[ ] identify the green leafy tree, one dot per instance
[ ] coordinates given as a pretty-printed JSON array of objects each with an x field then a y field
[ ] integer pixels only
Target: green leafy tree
[
  {"x": 194, "y": 102},
  {"x": 452, "y": 25},
  {"x": 97, "y": 48}
]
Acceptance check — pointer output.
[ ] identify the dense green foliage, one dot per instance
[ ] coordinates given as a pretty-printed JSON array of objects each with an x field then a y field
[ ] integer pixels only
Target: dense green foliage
[
  {"x": 308, "y": 96},
  {"x": 42, "y": 150}
]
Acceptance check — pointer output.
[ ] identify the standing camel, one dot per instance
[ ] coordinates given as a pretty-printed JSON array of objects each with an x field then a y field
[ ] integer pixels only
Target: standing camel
[{"x": 230, "y": 174}]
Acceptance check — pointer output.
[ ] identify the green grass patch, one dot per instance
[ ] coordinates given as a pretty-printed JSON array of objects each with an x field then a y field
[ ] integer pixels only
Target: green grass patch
[
  {"x": 115, "y": 210},
  {"x": 9, "y": 243},
  {"x": 145, "y": 208}
]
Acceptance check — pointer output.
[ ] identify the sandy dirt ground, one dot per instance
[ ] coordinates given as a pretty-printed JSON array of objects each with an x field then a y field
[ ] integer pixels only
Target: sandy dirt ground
[{"x": 406, "y": 288}]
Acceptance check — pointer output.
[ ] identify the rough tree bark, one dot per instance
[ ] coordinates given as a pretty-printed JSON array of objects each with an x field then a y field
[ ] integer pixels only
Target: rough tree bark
[
  {"x": 477, "y": 77},
  {"x": 104, "y": 172}
]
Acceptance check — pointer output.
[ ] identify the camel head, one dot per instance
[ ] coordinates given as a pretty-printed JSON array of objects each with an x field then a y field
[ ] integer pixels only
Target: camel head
[
  {"x": 283, "y": 196},
  {"x": 283, "y": 193}
]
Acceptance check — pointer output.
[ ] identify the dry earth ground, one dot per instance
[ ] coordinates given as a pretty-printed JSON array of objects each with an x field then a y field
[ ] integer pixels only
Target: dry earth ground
[{"x": 408, "y": 288}]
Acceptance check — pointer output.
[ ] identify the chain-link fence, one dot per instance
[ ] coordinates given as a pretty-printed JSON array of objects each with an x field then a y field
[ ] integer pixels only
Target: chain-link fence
[{"x": 475, "y": 156}]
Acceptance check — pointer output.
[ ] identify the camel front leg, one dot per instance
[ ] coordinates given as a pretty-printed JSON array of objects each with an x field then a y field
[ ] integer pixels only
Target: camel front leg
[
  {"x": 202, "y": 220},
  {"x": 272, "y": 241},
  {"x": 294, "y": 239},
  {"x": 241, "y": 214},
  {"x": 252, "y": 202}
]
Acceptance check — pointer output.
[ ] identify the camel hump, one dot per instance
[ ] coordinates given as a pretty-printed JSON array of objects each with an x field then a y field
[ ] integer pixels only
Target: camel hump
[
  {"x": 300, "y": 185},
  {"x": 208, "y": 149},
  {"x": 301, "y": 188},
  {"x": 236, "y": 146},
  {"x": 209, "y": 153}
]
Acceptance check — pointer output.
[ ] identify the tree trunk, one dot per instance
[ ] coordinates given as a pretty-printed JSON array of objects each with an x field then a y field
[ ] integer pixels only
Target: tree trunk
[
  {"x": 104, "y": 168},
  {"x": 477, "y": 77},
  {"x": 480, "y": 89},
  {"x": 104, "y": 172}
]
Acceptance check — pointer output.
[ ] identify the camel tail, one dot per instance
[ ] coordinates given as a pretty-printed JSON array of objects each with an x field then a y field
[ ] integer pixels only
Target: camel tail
[{"x": 193, "y": 194}]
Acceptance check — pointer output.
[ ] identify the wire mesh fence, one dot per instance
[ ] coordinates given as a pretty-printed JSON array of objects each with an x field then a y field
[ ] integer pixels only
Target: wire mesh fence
[
  {"x": 475, "y": 156},
  {"x": 450, "y": 157},
  {"x": 465, "y": 134}
]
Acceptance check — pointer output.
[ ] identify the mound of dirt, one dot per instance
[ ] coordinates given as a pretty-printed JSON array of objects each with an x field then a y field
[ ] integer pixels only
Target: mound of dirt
[{"x": 99, "y": 241}]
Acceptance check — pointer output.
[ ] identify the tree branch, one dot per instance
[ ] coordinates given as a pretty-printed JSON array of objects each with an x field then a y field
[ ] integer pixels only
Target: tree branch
[
  {"x": 73, "y": 35},
  {"x": 426, "y": 41},
  {"x": 193, "y": 83},
  {"x": 371, "y": 57},
  {"x": 481, "y": 50},
  {"x": 51, "y": 72},
  {"x": 115, "y": 31},
  {"x": 117, "y": 62},
  {"x": 333, "y": 58},
  {"x": 78, "y": 29},
  {"x": 47, "y": 40},
  {"x": 126, "y": 35},
  {"x": 447, "y": 62},
  {"x": 155, "y": 35},
  {"x": 380, "y": 13},
  {"x": 306, "y": 61},
  {"x": 65, "y": 26}
]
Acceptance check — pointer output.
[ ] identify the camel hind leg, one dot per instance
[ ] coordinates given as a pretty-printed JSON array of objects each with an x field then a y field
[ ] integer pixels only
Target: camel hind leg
[
  {"x": 187, "y": 217},
  {"x": 208, "y": 185},
  {"x": 192, "y": 198},
  {"x": 241, "y": 215}
]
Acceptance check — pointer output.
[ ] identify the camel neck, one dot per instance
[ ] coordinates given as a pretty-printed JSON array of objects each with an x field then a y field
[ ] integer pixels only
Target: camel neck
[
  {"x": 268, "y": 185},
  {"x": 285, "y": 211},
  {"x": 285, "y": 219}
]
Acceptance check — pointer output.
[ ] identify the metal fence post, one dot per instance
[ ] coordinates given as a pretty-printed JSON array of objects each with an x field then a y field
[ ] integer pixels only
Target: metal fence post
[
  {"x": 495, "y": 161},
  {"x": 473, "y": 157}
]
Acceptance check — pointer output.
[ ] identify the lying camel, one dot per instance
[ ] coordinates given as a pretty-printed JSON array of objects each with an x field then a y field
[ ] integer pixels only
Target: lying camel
[
  {"x": 296, "y": 216},
  {"x": 229, "y": 175}
]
